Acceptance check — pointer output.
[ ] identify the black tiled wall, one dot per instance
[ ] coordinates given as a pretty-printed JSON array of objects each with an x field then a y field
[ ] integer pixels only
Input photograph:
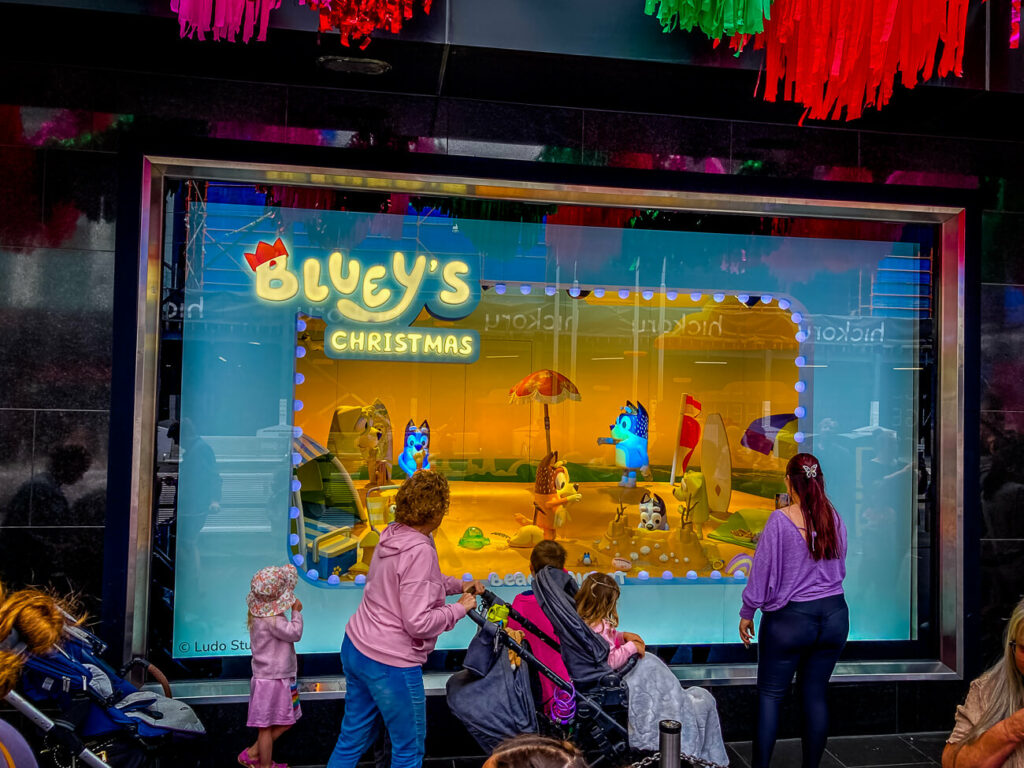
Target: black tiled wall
[
  {"x": 1002, "y": 428},
  {"x": 56, "y": 315},
  {"x": 58, "y": 199}
]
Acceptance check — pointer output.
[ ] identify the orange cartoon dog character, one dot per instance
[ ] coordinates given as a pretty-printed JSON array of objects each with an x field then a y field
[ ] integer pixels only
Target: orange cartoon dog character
[{"x": 552, "y": 495}]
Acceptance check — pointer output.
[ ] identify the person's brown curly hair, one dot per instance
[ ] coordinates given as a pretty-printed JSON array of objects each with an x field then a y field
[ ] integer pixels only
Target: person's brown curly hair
[
  {"x": 422, "y": 498},
  {"x": 535, "y": 751}
]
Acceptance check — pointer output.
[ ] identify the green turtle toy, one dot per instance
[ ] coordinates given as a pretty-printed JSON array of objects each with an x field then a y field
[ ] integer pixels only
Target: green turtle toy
[{"x": 473, "y": 538}]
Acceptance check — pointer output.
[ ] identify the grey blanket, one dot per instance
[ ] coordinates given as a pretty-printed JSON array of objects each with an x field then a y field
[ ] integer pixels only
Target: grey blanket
[
  {"x": 655, "y": 695},
  {"x": 495, "y": 707}
]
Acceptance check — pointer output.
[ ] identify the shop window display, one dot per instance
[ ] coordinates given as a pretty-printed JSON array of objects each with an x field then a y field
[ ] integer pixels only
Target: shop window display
[{"x": 633, "y": 393}]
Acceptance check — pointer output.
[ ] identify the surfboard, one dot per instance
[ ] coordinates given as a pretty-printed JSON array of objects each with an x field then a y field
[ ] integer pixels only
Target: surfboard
[{"x": 716, "y": 464}]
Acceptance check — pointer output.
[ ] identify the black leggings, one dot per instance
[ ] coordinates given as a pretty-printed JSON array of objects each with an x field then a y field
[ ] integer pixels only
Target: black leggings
[{"x": 805, "y": 638}]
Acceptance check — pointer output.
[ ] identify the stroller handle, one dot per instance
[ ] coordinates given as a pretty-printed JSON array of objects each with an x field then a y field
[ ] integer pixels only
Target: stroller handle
[{"x": 490, "y": 598}]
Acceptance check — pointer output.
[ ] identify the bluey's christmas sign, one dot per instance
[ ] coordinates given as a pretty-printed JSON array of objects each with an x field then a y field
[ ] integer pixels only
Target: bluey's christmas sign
[{"x": 370, "y": 306}]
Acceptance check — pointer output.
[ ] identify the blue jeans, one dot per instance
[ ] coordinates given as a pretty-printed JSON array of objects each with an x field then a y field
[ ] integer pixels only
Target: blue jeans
[
  {"x": 806, "y": 639},
  {"x": 374, "y": 691}
]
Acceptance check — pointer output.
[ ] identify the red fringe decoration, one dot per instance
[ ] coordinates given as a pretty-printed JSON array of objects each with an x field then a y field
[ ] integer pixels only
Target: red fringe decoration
[
  {"x": 356, "y": 20},
  {"x": 836, "y": 56},
  {"x": 21, "y": 197},
  {"x": 1015, "y": 24},
  {"x": 225, "y": 18}
]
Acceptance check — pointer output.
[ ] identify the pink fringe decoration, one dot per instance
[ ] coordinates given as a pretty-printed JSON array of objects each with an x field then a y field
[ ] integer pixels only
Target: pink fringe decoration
[{"x": 224, "y": 18}]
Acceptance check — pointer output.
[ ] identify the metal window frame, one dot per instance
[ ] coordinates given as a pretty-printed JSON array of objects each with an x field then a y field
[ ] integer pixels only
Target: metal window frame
[{"x": 951, "y": 223}]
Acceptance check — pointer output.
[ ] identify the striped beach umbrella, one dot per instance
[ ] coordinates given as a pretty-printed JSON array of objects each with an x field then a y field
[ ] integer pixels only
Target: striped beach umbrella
[{"x": 547, "y": 387}]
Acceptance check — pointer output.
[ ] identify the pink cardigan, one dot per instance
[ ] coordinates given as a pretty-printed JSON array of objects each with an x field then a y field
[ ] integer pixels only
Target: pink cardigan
[
  {"x": 618, "y": 651},
  {"x": 527, "y": 605}
]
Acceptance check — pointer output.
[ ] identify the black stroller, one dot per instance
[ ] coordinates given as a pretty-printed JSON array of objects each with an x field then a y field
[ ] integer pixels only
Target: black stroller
[{"x": 496, "y": 702}]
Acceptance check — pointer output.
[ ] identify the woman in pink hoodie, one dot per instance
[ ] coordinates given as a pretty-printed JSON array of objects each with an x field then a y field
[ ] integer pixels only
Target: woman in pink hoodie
[{"x": 402, "y": 613}]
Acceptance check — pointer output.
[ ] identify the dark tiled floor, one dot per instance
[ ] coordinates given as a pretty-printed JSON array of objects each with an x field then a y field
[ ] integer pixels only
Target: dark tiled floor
[
  {"x": 787, "y": 753},
  {"x": 909, "y": 750},
  {"x": 902, "y": 751}
]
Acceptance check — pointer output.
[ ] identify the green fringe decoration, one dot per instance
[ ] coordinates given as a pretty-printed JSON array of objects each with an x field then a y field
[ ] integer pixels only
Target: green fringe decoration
[{"x": 715, "y": 18}]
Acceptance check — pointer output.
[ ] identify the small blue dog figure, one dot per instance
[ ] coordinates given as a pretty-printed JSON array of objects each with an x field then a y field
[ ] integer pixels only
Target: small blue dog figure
[
  {"x": 629, "y": 436},
  {"x": 415, "y": 453}
]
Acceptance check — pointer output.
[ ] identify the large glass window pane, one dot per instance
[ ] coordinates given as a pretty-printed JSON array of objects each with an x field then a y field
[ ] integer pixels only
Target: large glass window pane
[{"x": 631, "y": 383}]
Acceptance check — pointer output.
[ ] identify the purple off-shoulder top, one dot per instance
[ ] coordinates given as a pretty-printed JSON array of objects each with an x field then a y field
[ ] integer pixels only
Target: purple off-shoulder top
[{"x": 784, "y": 571}]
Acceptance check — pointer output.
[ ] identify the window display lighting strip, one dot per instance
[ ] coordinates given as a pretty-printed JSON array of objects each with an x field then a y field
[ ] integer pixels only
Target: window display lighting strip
[{"x": 546, "y": 192}]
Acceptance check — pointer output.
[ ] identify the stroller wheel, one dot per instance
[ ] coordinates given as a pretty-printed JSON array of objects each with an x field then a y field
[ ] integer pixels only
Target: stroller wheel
[
  {"x": 56, "y": 753},
  {"x": 116, "y": 752}
]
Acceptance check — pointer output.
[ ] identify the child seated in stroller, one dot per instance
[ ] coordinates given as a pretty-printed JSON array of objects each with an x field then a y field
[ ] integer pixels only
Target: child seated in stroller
[
  {"x": 654, "y": 691},
  {"x": 596, "y": 604},
  {"x": 525, "y": 604},
  {"x": 491, "y": 699}
]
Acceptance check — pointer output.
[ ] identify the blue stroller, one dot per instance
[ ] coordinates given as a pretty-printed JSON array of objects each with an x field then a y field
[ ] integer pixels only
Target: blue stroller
[{"x": 103, "y": 721}]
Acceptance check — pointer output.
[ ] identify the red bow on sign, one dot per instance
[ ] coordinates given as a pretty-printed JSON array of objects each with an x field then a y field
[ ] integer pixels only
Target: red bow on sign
[{"x": 265, "y": 253}]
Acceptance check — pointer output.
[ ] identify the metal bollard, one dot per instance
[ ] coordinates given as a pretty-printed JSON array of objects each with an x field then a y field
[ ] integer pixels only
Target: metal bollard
[{"x": 670, "y": 734}]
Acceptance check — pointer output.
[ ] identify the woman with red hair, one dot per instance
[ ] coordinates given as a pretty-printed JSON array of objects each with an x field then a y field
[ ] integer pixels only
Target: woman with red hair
[
  {"x": 797, "y": 582},
  {"x": 31, "y": 622}
]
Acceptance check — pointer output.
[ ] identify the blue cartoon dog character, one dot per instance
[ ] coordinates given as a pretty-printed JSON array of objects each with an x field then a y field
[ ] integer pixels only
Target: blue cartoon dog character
[
  {"x": 415, "y": 449},
  {"x": 629, "y": 436}
]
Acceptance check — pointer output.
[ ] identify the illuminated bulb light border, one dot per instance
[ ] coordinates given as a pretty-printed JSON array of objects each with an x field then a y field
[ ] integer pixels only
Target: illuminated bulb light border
[{"x": 576, "y": 290}]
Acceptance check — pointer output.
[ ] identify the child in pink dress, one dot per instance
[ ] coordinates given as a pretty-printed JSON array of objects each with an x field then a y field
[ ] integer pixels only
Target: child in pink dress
[
  {"x": 596, "y": 604},
  {"x": 273, "y": 697}
]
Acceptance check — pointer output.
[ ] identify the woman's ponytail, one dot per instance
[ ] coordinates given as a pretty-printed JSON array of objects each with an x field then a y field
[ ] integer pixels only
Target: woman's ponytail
[{"x": 808, "y": 483}]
